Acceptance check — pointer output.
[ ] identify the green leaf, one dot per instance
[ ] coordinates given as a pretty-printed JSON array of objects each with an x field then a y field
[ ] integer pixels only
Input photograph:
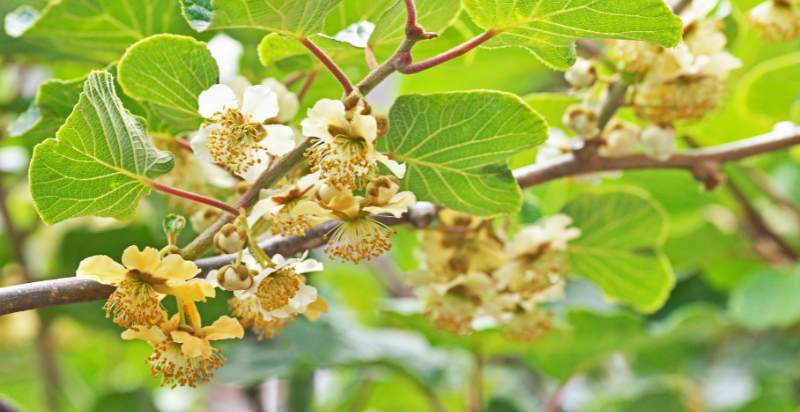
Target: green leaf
[
  {"x": 99, "y": 30},
  {"x": 456, "y": 147},
  {"x": 297, "y": 17},
  {"x": 54, "y": 101},
  {"x": 166, "y": 73},
  {"x": 759, "y": 96},
  {"x": 551, "y": 106},
  {"x": 99, "y": 162},
  {"x": 548, "y": 29},
  {"x": 432, "y": 15},
  {"x": 619, "y": 249},
  {"x": 767, "y": 299}
]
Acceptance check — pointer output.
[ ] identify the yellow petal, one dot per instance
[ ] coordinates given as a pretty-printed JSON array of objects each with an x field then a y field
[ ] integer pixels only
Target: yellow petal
[
  {"x": 145, "y": 261},
  {"x": 102, "y": 269},
  {"x": 175, "y": 267},
  {"x": 191, "y": 345},
  {"x": 224, "y": 328},
  {"x": 316, "y": 308},
  {"x": 195, "y": 290},
  {"x": 152, "y": 334}
]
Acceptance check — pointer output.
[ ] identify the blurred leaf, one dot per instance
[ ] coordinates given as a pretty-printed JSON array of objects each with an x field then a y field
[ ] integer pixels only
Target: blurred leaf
[
  {"x": 456, "y": 148},
  {"x": 134, "y": 401},
  {"x": 91, "y": 169},
  {"x": 54, "y": 101},
  {"x": 767, "y": 299},
  {"x": 297, "y": 17},
  {"x": 551, "y": 106},
  {"x": 760, "y": 96},
  {"x": 166, "y": 73},
  {"x": 619, "y": 249}
]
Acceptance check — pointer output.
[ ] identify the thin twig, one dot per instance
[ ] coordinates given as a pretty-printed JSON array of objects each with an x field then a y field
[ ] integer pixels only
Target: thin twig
[
  {"x": 406, "y": 67},
  {"x": 328, "y": 63},
  {"x": 312, "y": 75},
  {"x": 553, "y": 402},
  {"x": 194, "y": 197},
  {"x": 475, "y": 393},
  {"x": 763, "y": 183},
  {"x": 71, "y": 290}
]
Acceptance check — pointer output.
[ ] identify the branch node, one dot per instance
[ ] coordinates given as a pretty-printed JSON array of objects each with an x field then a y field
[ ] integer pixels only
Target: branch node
[{"x": 709, "y": 173}]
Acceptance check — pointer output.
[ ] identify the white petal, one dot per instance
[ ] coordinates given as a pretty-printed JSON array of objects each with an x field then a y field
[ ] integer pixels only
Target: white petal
[
  {"x": 307, "y": 265},
  {"x": 261, "y": 209},
  {"x": 252, "y": 173},
  {"x": 279, "y": 140},
  {"x": 260, "y": 102},
  {"x": 398, "y": 169},
  {"x": 227, "y": 51},
  {"x": 366, "y": 127},
  {"x": 217, "y": 98},
  {"x": 199, "y": 144}
]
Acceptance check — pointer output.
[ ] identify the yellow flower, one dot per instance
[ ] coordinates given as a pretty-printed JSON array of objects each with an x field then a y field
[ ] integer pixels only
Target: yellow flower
[
  {"x": 141, "y": 283},
  {"x": 182, "y": 354},
  {"x": 291, "y": 209},
  {"x": 359, "y": 234}
]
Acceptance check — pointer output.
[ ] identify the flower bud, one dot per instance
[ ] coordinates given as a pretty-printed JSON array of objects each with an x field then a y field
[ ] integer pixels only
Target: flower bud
[
  {"x": 776, "y": 20},
  {"x": 582, "y": 120},
  {"x": 383, "y": 124},
  {"x": 204, "y": 218},
  {"x": 173, "y": 225},
  {"x": 381, "y": 190},
  {"x": 581, "y": 75},
  {"x": 230, "y": 239},
  {"x": 658, "y": 142},
  {"x": 235, "y": 277},
  {"x": 621, "y": 138}
]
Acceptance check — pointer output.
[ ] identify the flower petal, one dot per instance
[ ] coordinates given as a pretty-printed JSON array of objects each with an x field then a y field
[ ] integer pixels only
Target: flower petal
[
  {"x": 102, "y": 269},
  {"x": 307, "y": 265},
  {"x": 216, "y": 99},
  {"x": 365, "y": 126},
  {"x": 175, "y": 267},
  {"x": 195, "y": 290},
  {"x": 146, "y": 260},
  {"x": 224, "y": 328},
  {"x": 152, "y": 334},
  {"x": 260, "y": 103},
  {"x": 252, "y": 173},
  {"x": 200, "y": 142},
  {"x": 279, "y": 140},
  {"x": 191, "y": 345},
  {"x": 398, "y": 169}
]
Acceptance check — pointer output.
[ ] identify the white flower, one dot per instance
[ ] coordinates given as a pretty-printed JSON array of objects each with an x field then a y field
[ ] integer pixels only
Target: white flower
[
  {"x": 227, "y": 51},
  {"x": 582, "y": 120},
  {"x": 235, "y": 136},
  {"x": 553, "y": 231},
  {"x": 287, "y": 101},
  {"x": 291, "y": 208},
  {"x": 776, "y": 20},
  {"x": 621, "y": 139},
  {"x": 557, "y": 144},
  {"x": 344, "y": 153},
  {"x": 658, "y": 142}
]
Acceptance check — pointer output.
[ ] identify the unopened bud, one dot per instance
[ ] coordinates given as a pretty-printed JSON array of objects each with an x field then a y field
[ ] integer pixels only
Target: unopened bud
[
  {"x": 381, "y": 190},
  {"x": 658, "y": 142},
  {"x": 230, "y": 239},
  {"x": 235, "y": 277},
  {"x": 776, "y": 20},
  {"x": 383, "y": 124},
  {"x": 173, "y": 225},
  {"x": 582, "y": 120},
  {"x": 581, "y": 75},
  {"x": 621, "y": 138},
  {"x": 204, "y": 218}
]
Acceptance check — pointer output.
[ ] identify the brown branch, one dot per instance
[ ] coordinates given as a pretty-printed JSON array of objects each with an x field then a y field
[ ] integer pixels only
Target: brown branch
[
  {"x": 697, "y": 161},
  {"x": 329, "y": 64}
]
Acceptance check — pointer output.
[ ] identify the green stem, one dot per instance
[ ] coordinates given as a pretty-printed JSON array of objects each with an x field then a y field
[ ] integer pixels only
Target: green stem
[{"x": 301, "y": 391}]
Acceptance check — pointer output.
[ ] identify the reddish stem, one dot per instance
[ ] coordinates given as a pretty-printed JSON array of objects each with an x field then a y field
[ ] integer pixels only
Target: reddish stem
[
  {"x": 330, "y": 64},
  {"x": 193, "y": 197},
  {"x": 307, "y": 84},
  {"x": 294, "y": 78},
  {"x": 451, "y": 54},
  {"x": 184, "y": 144}
]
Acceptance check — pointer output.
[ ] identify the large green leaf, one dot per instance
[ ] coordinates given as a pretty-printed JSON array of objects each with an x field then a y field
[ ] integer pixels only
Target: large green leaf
[
  {"x": 619, "y": 248},
  {"x": 548, "y": 29},
  {"x": 767, "y": 299},
  {"x": 298, "y": 17},
  {"x": 99, "y": 162},
  {"x": 456, "y": 147},
  {"x": 432, "y": 15},
  {"x": 760, "y": 97},
  {"x": 98, "y": 30},
  {"x": 166, "y": 73},
  {"x": 53, "y": 103}
]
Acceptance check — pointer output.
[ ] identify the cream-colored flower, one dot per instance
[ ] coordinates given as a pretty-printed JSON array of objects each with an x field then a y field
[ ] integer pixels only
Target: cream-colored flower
[
  {"x": 582, "y": 74},
  {"x": 141, "y": 283},
  {"x": 557, "y": 144},
  {"x": 287, "y": 101},
  {"x": 776, "y": 20},
  {"x": 621, "y": 139},
  {"x": 278, "y": 294},
  {"x": 292, "y": 209},
  {"x": 359, "y": 235},
  {"x": 236, "y": 136},
  {"x": 658, "y": 142},
  {"x": 582, "y": 120},
  {"x": 529, "y": 326},
  {"x": 182, "y": 354},
  {"x": 344, "y": 153}
]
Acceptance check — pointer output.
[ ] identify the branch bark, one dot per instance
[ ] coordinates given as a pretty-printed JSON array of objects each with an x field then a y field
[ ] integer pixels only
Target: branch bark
[{"x": 72, "y": 290}]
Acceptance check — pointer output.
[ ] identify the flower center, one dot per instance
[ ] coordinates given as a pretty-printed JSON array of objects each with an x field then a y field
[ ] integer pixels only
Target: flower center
[
  {"x": 134, "y": 302},
  {"x": 248, "y": 311},
  {"x": 275, "y": 291},
  {"x": 234, "y": 143},
  {"x": 360, "y": 238},
  {"x": 177, "y": 369}
]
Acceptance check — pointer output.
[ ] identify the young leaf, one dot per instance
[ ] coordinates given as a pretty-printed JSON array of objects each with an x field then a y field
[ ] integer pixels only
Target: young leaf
[
  {"x": 456, "y": 147},
  {"x": 619, "y": 248},
  {"x": 166, "y": 73},
  {"x": 297, "y": 17},
  {"x": 100, "y": 31},
  {"x": 548, "y": 29},
  {"x": 99, "y": 162}
]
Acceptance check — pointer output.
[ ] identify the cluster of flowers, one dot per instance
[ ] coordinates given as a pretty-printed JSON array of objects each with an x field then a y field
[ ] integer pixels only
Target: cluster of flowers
[
  {"x": 473, "y": 278},
  {"x": 777, "y": 20},
  {"x": 669, "y": 84}
]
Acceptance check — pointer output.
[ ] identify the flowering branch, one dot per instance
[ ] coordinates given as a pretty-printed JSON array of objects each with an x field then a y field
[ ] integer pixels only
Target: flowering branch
[
  {"x": 698, "y": 161},
  {"x": 406, "y": 67},
  {"x": 329, "y": 63}
]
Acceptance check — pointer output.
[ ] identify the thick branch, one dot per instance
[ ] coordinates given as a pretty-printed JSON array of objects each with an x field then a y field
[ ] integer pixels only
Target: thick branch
[{"x": 71, "y": 290}]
